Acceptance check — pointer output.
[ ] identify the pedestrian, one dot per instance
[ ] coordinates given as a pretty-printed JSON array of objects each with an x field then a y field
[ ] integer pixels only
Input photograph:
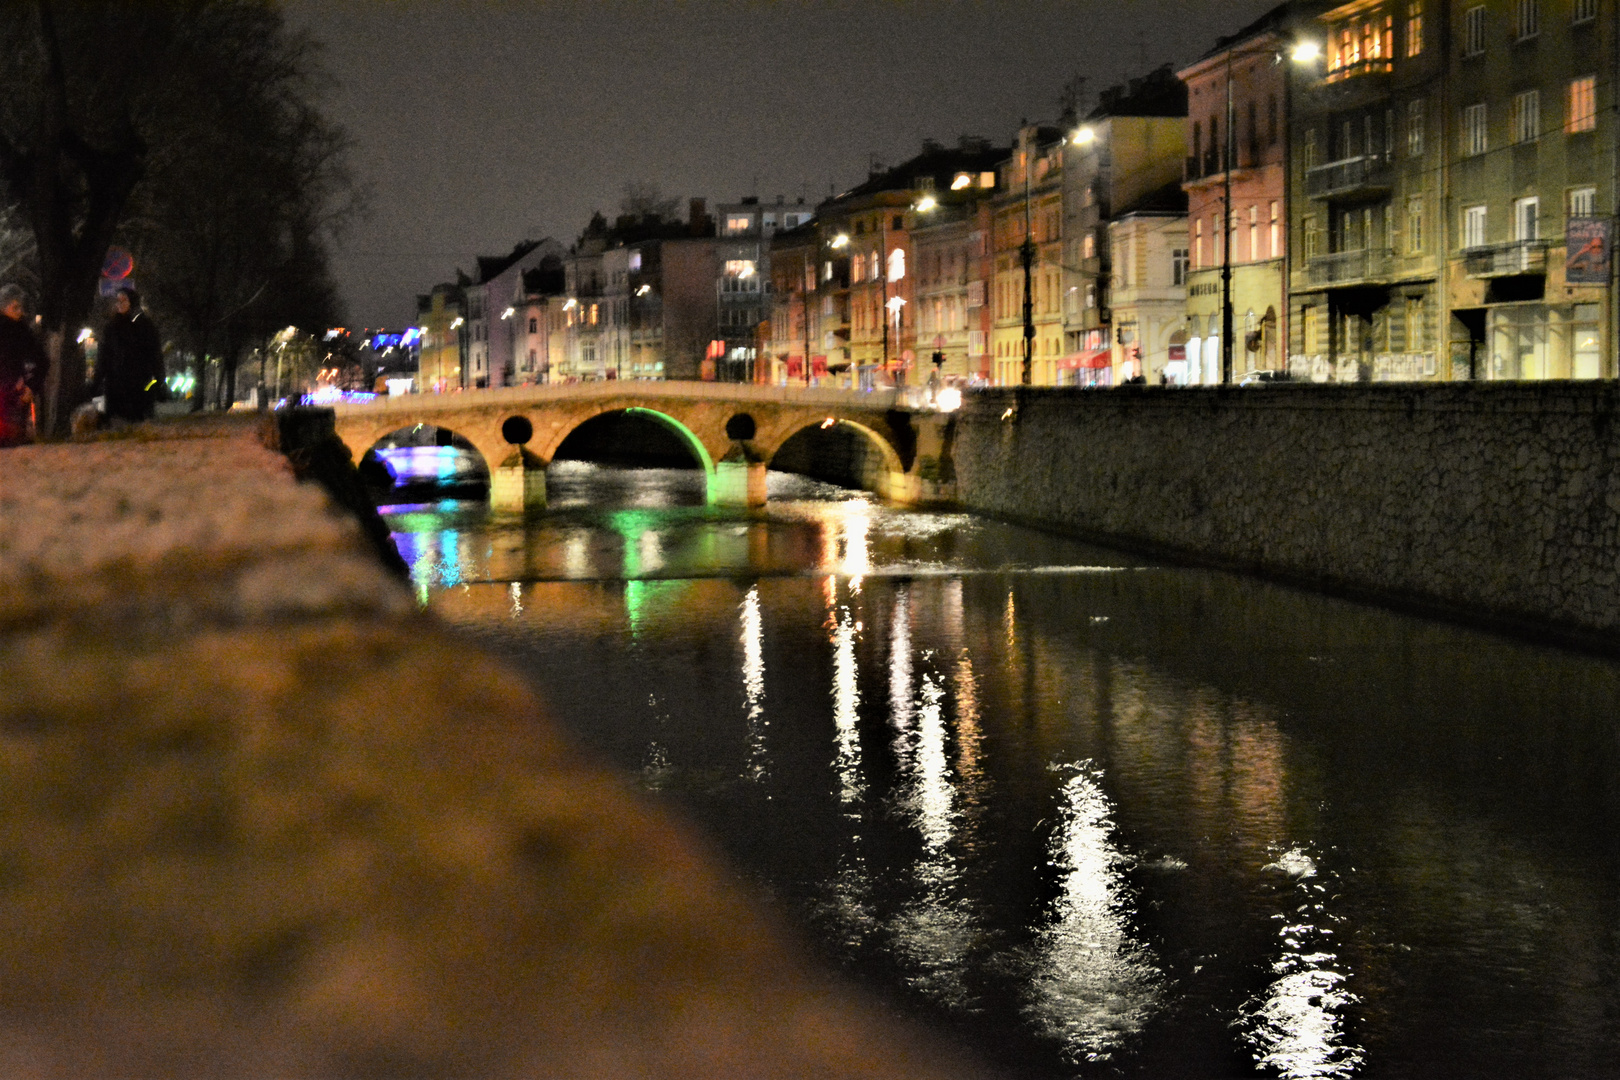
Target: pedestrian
[
  {"x": 22, "y": 369},
  {"x": 129, "y": 363}
]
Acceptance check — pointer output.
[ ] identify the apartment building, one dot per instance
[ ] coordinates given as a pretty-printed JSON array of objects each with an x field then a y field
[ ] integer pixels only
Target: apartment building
[
  {"x": 1245, "y": 77},
  {"x": 440, "y": 316},
  {"x": 1125, "y": 156},
  {"x": 1367, "y": 197},
  {"x": 1148, "y": 291},
  {"x": 793, "y": 355},
  {"x": 951, "y": 237},
  {"x": 1531, "y": 170},
  {"x": 1028, "y": 207}
]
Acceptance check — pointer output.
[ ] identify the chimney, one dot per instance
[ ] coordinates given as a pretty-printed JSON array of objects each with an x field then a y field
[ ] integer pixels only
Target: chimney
[{"x": 698, "y": 217}]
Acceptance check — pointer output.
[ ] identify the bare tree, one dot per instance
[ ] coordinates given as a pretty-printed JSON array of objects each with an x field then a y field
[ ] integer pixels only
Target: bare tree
[{"x": 111, "y": 117}]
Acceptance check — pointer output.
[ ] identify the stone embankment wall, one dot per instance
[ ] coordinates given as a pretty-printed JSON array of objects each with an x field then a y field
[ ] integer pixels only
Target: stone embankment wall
[{"x": 1500, "y": 502}]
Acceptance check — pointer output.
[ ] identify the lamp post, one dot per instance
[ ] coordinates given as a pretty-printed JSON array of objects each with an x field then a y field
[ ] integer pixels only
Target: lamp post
[{"x": 1026, "y": 254}]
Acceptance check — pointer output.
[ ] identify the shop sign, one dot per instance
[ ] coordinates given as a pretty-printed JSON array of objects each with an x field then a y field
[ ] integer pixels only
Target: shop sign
[{"x": 1588, "y": 245}]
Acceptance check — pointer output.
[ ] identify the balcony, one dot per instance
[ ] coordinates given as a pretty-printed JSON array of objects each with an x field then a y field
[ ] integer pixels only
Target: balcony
[
  {"x": 1366, "y": 177},
  {"x": 1506, "y": 260},
  {"x": 1369, "y": 266}
]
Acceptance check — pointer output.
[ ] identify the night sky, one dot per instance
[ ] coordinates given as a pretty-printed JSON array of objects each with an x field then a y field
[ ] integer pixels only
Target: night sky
[{"x": 481, "y": 123}]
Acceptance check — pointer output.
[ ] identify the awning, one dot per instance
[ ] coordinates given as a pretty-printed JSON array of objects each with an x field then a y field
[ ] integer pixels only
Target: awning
[{"x": 1099, "y": 358}]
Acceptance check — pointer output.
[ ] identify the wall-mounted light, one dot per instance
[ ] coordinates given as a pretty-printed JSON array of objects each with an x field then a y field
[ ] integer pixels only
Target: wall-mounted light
[
  {"x": 927, "y": 203},
  {"x": 508, "y": 313},
  {"x": 841, "y": 240},
  {"x": 1085, "y": 136},
  {"x": 1306, "y": 52}
]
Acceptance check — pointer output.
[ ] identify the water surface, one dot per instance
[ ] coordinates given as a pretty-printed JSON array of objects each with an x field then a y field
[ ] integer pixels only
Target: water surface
[{"x": 1097, "y": 816}]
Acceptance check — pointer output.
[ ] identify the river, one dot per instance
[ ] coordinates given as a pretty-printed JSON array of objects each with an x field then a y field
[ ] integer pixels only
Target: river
[{"x": 1093, "y": 815}]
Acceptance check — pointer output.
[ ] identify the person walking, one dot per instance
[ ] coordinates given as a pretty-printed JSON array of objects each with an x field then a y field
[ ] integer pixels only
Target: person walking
[
  {"x": 22, "y": 369},
  {"x": 129, "y": 366}
]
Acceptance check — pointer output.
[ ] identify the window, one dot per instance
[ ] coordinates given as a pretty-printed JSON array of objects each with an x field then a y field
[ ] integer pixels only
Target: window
[
  {"x": 534, "y": 325},
  {"x": 1254, "y": 233},
  {"x": 1091, "y": 296},
  {"x": 1310, "y": 148},
  {"x": 1528, "y": 24},
  {"x": 1414, "y": 324},
  {"x": 1582, "y": 112},
  {"x": 635, "y": 260},
  {"x": 1526, "y": 116},
  {"x": 1585, "y": 11},
  {"x": 1414, "y": 128},
  {"x": 1414, "y": 27},
  {"x": 1414, "y": 225},
  {"x": 1276, "y": 230},
  {"x": 1474, "y": 31},
  {"x": 1526, "y": 218},
  {"x": 1473, "y": 227},
  {"x": 738, "y": 223},
  {"x": 1313, "y": 237},
  {"x": 1474, "y": 131},
  {"x": 1088, "y": 247},
  {"x": 1198, "y": 242},
  {"x": 897, "y": 264},
  {"x": 1583, "y": 202},
  {"x": 1178, "y": 267}
]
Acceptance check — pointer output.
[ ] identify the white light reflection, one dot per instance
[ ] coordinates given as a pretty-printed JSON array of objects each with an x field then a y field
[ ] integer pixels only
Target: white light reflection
[
  {"x": 932, "y": 794},
  {"x": 577, "y": 554},
  {"x": 857, "y": 556},
  {"x": 516, "y": 592},
  {"x": 650, "y": 547},
  {"x": 753, "y": 644},
  {"x": 900, "y": 704},
  {"x": 846, "y": 693},
  {"x": 1296, "y": 1026},
  {"x": 1094, "y": 986}
]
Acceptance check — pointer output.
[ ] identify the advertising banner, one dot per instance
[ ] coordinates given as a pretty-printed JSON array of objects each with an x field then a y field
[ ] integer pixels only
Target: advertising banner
[{"x": 1588, "y": 251}]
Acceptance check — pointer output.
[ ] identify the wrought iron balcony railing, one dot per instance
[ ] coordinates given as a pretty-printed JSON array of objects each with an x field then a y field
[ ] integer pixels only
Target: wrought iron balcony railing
[
  {"x": 1368, "y": 266},
  {"x": 1367, "y": 176},
  {"x": 1506, "y": 260}
]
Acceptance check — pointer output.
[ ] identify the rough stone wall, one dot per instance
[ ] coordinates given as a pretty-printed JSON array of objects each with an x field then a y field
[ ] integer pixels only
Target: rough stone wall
[{"x": 1499, "y": 501}]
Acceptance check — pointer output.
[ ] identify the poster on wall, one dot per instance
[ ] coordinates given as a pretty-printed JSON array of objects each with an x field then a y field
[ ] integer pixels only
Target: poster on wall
[{"x": 1587, "y": 245}]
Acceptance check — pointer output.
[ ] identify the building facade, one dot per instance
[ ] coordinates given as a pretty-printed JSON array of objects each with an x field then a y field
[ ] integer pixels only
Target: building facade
[
  {"x": 1255, "y": 65},
  {"x": 1531, "y": 171},
  {"x": 1028, "y": 207},
  {"x": 1125, "y": 156},
  {"x": 440, "y": 317},
  {"x": 1149, "y": 292},
  {"x": 1367, "y": 197}
]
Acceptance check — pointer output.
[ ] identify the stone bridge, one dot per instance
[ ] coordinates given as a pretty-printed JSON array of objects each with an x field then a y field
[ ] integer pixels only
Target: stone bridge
[{"x": 733, "y": 430}]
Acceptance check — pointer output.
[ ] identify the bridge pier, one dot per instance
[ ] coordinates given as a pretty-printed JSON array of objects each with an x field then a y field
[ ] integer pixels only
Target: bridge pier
[
  {"x": 739, "y": 478},
  {"x": 518, "y": 483}
]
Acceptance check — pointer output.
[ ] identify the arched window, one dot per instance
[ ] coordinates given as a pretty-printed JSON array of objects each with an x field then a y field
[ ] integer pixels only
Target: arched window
[
  {"x": 897, "y": 264},
  {"x": 534, "y": 325}
]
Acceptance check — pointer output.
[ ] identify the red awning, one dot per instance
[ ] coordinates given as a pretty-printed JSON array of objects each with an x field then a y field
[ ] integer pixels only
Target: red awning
[{"x": 1101, "y": 358}]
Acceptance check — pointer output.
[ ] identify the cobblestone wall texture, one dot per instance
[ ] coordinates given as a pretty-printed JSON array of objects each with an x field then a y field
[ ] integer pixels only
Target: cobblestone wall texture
[{"x": 1495, "y": 500}]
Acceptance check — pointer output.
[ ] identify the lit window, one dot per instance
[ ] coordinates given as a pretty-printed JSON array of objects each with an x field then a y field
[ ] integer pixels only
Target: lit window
[
  {"x": 987, "y": 179},
  {"x": 1088, "y": 247},
  {"x": 1474, "y": 227},
  {"x": 897, "y": 264},
  {"x": 1528, "y": 24},
  {"x": 1474, "y": 31},
  {"x": 1583, "y": 202},
  {"x": 1414, "y": 27},
  {"x": 1582, "y": 104},
  {"x": 1276, "y": 230},
  {"x": 740, "y": 268},
  {"x": 635, "y": 260},
  {"x": 1198, "y": 242},
  {"x": 1474, "y": 130},
  {"x": 1526, "y": 116},
  {"x": 739, "y": 223}
]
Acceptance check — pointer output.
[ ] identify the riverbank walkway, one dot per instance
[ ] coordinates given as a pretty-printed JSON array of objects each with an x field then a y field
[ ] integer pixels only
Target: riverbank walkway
[{"x": 265, "y": 818}]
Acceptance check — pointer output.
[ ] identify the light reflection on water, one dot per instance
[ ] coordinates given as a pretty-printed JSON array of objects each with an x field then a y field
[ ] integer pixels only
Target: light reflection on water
[{"x": 1110, "y": 819}]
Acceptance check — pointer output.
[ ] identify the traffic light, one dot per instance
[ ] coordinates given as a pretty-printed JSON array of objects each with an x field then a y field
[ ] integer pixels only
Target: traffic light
[{"x": 939, "y": 359}]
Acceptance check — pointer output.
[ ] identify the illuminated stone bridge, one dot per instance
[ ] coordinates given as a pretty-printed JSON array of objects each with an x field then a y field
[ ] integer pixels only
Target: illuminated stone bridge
[{"x": 732, "y": 430}]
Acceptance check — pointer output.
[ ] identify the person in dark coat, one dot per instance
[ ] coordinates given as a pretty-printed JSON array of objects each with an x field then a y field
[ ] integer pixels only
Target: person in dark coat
[
  {"x": 129, "y": 363},
  {"x": 22, "y": 369}
]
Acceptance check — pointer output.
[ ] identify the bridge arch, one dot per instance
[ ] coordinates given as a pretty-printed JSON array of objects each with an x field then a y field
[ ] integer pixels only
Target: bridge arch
[
  {"x": 685, "y": 434},
  {"x": 363, "y": 440},
  {"x": 887, "y": 478}
]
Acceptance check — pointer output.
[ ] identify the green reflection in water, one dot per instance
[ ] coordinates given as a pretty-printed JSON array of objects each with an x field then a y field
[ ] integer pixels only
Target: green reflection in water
[{"x": 644, "y": 600}]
